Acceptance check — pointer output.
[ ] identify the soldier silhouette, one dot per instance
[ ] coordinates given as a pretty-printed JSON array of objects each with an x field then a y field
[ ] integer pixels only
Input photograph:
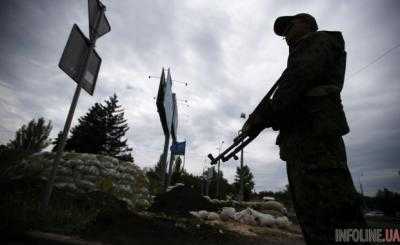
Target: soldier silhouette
[{"x": 307, "y": 110}]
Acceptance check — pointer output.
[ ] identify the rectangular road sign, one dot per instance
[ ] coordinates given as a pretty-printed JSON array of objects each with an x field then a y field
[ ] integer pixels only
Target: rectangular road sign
[
  {"x": 74, "y": 57},
  {"x": 96, "y": 13}
]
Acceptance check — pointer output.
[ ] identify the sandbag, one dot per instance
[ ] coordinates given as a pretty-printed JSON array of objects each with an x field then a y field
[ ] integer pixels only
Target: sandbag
[
  {"x": 212, "y": 216},
  {"x": 227, "y": 213},
  {"x": 246, "y": 217},
  {"x": 263, "y": 219},
  {"x": 282, "y": 222}
]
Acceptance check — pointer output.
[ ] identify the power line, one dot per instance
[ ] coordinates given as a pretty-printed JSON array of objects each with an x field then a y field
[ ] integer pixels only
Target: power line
[{"x": 374, "y": 61}]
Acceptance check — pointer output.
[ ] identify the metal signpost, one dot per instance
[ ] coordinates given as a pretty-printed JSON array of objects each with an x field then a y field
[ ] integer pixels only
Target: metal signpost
[
  {"x": 81, "y": 62},
  {"x": 167, "y": 107},
  {"x": 165, "y": 111},
  {"x": 174, "y": 128}
]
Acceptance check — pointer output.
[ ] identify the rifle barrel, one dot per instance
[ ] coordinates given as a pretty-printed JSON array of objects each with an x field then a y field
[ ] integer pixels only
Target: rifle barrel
[
  {"x": 239, "y": 148},
  {"x": 238, "y": 144}
]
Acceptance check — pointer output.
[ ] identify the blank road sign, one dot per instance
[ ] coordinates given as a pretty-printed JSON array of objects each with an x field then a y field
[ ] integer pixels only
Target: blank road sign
[
  {"x": 91, "y": 73},
  {"x": 73, "y": 60},
  {"x": 96, "y": 13}
]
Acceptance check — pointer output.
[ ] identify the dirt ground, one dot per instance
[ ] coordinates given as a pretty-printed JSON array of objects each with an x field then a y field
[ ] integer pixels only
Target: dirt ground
[
  {"x": 101, "y": 219},
  {"x": 164, "y": 231}
]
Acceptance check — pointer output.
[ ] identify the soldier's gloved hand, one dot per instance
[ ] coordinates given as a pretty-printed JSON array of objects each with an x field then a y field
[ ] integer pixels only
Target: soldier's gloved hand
[
  {"x": 259, "y": 119},
  {"x": 254, "y": 125}
]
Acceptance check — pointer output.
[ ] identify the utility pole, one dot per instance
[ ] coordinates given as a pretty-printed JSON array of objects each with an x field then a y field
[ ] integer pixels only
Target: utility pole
[
  {"x": 204, "y": 179},
  {"x": 241, "y": 177},
  {"x": 207, "y": 182},
  {"x": 218, "y": 173},
  {"x": 241, "y": 191},
  {"x": 362, "y": 193},
  {"x": 202, "y": 183}
]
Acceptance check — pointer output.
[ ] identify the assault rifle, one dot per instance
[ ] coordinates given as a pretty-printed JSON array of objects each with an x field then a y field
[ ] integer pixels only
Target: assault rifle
[{"x": 243, "y": 139}]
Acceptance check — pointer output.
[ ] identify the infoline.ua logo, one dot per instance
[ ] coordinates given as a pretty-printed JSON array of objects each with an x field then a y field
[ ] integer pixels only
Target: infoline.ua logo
[{"x": 367, "y": 235}]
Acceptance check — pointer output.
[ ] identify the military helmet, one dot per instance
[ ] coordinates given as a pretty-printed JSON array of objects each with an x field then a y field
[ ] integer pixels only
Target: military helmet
[{"x": 281, "y": 23}]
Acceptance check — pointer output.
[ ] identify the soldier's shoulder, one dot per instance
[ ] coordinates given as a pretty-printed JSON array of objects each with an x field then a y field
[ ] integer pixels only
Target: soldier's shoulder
[{"x": 327, "y": 37}]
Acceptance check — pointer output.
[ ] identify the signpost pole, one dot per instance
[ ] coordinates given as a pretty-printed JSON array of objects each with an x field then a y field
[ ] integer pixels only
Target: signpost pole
[
  {"x": 171, "y": 162},
  {"x": 184, "y": 160},
  {"x": 164, "y": 162},
  {"x": 50, "y": 183},
  {"x": 60, "y": 149},
  {"x": 184, "y": 157}
]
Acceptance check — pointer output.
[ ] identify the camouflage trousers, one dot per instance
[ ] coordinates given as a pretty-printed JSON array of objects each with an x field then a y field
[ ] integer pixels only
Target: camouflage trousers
[{"x": 322, "y": 189}]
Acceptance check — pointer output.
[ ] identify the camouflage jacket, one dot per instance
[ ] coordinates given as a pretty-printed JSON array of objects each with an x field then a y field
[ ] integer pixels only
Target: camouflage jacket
[{"x": 307, "y": 101}]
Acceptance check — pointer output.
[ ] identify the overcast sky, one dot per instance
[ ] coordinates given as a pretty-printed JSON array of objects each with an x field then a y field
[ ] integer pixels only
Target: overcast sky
[{"x": 229, "y": 55}]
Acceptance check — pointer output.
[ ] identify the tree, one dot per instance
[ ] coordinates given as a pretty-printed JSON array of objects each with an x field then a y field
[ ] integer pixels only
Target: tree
[
  {"x": 388, "y": 201},
  {"x": 116, "y": 127},
  {"x": 7, "y": 157},
  {"x": 155, "y": 186},
  {"x": 89, "y": 135},
  {"x": 159, "y": 169},
  {"x": 29, "y": 139},
  {"x": 224, "y": 187},
  {"x": 101, "y": 131},
  {"x": 248, "y": 182},
  {"x": 154, "y": 176}
]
